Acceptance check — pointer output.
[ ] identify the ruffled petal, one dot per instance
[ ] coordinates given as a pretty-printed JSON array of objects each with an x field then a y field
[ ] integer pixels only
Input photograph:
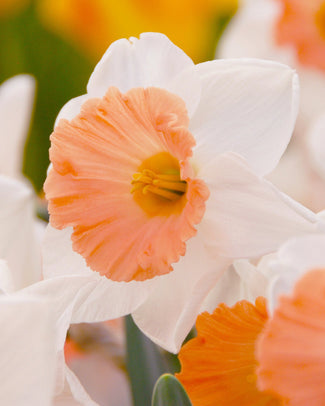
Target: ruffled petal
[
  {"x": 16, "y": 105},
  {"x": 90, "y": 186},
  {"x": 245, "y": 215},
  {"x": 248, "y": 107},
  {"x": 218, "y": 366},
  {"x": 169, "y": 313},
  {"x": 28, "y": 356},
  {"x": 152, "y": 60}
]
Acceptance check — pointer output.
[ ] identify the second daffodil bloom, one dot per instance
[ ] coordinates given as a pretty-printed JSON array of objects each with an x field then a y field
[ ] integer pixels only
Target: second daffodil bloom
[
  {"x": 156, "y": 182},
  {"x": 290, "y": 31},
  {"x": 250, "y": 356}
]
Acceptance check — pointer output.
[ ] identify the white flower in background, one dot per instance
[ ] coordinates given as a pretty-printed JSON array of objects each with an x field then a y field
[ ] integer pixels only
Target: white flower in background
[
  {"x": 20, "y": 231},
  {"x": 16, "y": 106},
  {"x": 290, "y": 32},
  {"x": 173, "y": 152},
  {"x": 290, "y": 349}
]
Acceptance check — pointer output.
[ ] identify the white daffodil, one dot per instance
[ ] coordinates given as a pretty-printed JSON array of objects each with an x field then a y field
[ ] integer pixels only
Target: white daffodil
[
  {"x": 20, "y": 231},
  {"x": 290, "y": 348},
  {"x": 156, "y": 184},
  {"x": 288, "y": 32},
  {"x": 16, "y": 106}
]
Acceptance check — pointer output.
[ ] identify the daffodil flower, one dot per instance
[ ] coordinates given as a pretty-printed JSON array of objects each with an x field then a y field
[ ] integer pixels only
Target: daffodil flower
[
  {"x": 16, "y": 106},
  {"x": 20, "y": 231},
  {"x": 156, "y": 183},
  {"x": 288, "y": 31},
  {"x": 270, "y": 353},
  {"x": 290, "y": 350}
]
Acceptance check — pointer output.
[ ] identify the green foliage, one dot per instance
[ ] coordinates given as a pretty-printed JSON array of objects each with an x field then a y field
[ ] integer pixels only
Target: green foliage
[
  {"x": 169, "y": 391},
  {"x": 144, "y": 363},
  {"x": 61, "y": 73}
]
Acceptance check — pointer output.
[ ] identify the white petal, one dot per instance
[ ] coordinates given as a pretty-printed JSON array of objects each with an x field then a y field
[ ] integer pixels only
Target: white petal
[
  {"x": 250, "y": 33},
  {"x": 16, "y": 104},
  {"x": 71, "y": 108},
  {"x": 312, "y": 96},
  {"x": 172, "y": 307},
  {"x": 228, "y": 289},
  {"x": 73, "y": 393},
  {"x": 247, "y": 106},
  {"x": 187, "y": 85},
  {"x": 82, "y": 295},
  {"x": 295, "y": 258},
  {"x": 19, "y": 244},
  {"x": 291, "y": 175},
  {"x": 59, "y": 259},
  {"x": 241, "y": 281},
  {"x": 6, "y": 278},
  {"x": 152, "y": 60},
  {"x": 303, "y": 253},
  {"x": 88, "y": 299},
  {"x": 111, "y": 386},
  {"x": 27, "y": 358},
  {"x": 245, "y": 215},
  {"x": 316, "y": 140}
]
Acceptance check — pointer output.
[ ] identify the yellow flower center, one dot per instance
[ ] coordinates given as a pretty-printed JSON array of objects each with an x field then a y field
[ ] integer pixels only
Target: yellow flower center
[
  {"x": 320, "y": 20},
  {"x": 158, "y": 187}
]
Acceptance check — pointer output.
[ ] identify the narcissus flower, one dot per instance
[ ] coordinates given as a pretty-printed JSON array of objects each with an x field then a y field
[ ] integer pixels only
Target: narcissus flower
[
  {"x": 152, "y": 181},
  {"x": 289, "y": 31},
  {"x": 290, "y": 350},
  {"x": 248, "y": 355},
  {"x": 20, "y": 231},
  {"x": 16, "y": 106},
  {"x": 301, "y": 25}
]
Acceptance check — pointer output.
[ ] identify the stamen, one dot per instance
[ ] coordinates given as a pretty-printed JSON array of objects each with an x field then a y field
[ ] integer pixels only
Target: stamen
[{"x": 168, "y": 186}]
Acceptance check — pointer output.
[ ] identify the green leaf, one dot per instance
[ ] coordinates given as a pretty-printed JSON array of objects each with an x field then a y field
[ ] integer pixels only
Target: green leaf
[
  {"x": 144, "y": 363},
  {"x": 169, "y": 391}
]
